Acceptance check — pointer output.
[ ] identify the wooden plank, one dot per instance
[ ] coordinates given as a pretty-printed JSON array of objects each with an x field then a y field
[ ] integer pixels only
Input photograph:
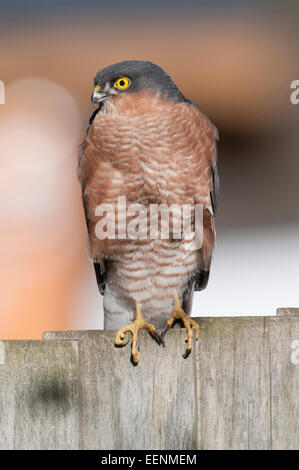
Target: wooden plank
[
  {"x": 287, "y": 312},
  {"x": 149, "y": 406},
  {"x": 233, "y": 384},
  {"x": 39, "y": 395},
  {"x": 284, "y": 379}
]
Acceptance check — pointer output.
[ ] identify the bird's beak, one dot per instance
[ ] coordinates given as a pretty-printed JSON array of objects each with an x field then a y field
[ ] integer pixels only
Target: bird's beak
[{"x": 97, "y": 96}]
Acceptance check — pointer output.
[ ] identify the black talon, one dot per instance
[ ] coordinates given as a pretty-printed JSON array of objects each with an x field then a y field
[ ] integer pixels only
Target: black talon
[
  {"x": 164, "y": 331},
  {"x": 135, "y": 364},
  {"x": 158, "y": 338},
  {"x": 121, "y": 345},
  {"x": 187, "y": 353}
]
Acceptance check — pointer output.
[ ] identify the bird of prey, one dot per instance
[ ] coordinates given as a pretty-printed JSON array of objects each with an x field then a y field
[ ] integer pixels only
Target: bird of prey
[{"x": 149, "y": 145}]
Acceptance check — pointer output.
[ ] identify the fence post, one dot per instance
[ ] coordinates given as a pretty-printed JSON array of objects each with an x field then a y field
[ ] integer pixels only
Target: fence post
[{"x": 237, "y": 390}]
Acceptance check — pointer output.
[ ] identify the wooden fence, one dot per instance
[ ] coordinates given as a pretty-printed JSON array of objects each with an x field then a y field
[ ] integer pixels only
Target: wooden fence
[{"x": 239, "y": 389}]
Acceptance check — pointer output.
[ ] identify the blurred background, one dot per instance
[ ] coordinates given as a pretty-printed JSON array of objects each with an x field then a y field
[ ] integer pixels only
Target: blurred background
[{"x": 235, "y": 59}]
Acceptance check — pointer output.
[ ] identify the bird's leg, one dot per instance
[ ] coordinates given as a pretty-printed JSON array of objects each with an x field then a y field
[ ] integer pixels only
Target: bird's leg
[
  {"x": 179, "y": 314},
  {"x": 134, "y": 328}
]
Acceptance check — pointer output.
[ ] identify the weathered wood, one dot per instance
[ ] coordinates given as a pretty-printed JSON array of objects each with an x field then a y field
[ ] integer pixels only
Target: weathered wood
[
  {"x": 233, "y": 384},
  {"x": 288, "y": 312},
  {"x": 239, "y": 389},
  {"x": 39, "y": 395},
  {"x": 284, "y": 382},
  {"x": 150, "y": 406},
  {"x": 241, "y": 386}
]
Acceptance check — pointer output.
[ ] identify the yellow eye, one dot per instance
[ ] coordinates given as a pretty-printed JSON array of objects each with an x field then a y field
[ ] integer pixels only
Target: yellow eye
[{"x": 122, "y": 83}]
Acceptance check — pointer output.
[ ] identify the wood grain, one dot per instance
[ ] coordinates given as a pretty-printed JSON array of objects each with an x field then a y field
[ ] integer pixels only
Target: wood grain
[
  {"x": 39, "y": 395},
  {"x": 289, "y": 312},
  {"x": 239, "y": 389},
  {"x": 150, "y": 406},
  {"x": 233, "y": 384},
  {"x": 284, "y": 380}
]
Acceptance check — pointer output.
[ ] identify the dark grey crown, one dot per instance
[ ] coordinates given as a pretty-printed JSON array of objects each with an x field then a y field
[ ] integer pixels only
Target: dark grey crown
[{"x": 144, "y": 75}]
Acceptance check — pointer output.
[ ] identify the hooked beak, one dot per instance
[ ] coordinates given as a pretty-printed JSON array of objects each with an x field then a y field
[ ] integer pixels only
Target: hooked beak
[{"x": 98, "y": 97}]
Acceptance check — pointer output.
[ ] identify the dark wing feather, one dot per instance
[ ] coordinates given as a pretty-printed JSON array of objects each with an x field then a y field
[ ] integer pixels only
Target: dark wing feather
[
  {"x": 99, "y": 267},
  {"x": 201, "y": 279},
  {"x": 215, "y": 191},
  {"x": 101, "y": 277},
  {"x": 202, "y": 276}
]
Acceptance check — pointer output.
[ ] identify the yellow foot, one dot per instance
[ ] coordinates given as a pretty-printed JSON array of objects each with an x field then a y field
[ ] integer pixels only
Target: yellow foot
[
  {"x": 134, "y": 328},
  {"x": 179, "y": 314}
]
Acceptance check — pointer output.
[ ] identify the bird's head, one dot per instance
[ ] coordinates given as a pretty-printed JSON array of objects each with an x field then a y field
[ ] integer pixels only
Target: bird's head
[{"x": 133, "y": 76}]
